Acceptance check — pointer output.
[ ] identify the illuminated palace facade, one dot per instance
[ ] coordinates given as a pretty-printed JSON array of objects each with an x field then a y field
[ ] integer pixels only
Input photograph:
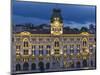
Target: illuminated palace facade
[{"x": 55, "y": 51}]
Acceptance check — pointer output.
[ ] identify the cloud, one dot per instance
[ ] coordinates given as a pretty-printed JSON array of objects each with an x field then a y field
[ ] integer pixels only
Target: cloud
[
  {"x": 76, "y": 13},
  {"x": 78, "y": 25},
  {"x": 22, "y": 20}
]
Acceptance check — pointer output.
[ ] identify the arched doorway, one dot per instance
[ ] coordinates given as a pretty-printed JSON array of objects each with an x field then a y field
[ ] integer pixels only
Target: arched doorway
[
  {"x": 72, "y": 65},
  {"x": 41, "y": 66},
  {"x": 18, "y": 67},
  {"x": 47, "y": 65},
  {"x": 25, "y": 66},
  {"x": 78, "y": 65},
  {"x": 33, "y": 66},
  {"x": 84, "y": 63}
]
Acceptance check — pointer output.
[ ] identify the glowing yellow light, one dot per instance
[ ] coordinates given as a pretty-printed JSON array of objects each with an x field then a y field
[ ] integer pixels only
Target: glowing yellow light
[
  {"x": 94, "y": 46},
  {"x": 25, "y": 33},
  {"x": 85, "y": 33}
]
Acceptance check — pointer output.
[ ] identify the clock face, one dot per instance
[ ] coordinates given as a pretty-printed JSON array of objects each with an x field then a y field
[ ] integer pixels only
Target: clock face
[{"x": 56, "y": 23}]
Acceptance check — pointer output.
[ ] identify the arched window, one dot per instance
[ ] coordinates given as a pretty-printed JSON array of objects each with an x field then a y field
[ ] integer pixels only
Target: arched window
[
  {"x": 41, "y": 66},
  {"x": 33, "y": 66},
  {"x": 84, "y": 63},
  {"x": 18, "y": 67},
  {"x": 47, "y": 65},
  {"x": 71, "y": 64},
  {"x": 84, "y": 42},
  {"x": 56, "y": 44},
  {"x": 25, "y": 42},
  {"x": 78, "y": 65},
  {"x": 25, "y": 66}
]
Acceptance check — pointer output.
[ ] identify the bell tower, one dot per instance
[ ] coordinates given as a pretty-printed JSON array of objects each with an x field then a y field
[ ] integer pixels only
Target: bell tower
[{"x": 56, "y": 22}]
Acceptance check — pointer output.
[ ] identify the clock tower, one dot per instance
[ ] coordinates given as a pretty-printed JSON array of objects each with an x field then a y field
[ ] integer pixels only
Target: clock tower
[{"x": 56, "y": 22}]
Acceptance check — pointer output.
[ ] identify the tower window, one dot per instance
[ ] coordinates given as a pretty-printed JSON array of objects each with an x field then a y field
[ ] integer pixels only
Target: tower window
[
  {"x": 56, "y": 44},
  {"x": 56, "y": 51},
  {"x": 25, "y": 52},
  {"x": 25, "y": 43},
  {"x": 84, "y": 43}
]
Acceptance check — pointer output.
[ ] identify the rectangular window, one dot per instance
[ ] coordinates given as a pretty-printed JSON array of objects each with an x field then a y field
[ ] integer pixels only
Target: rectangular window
[
  {"x": 46, "y": 51},
  {"x": 72, "y": 39},
  {"x": 33, "y": 46},
  {"x": 34, "y": 52},
  {"x": 78, "y": 46},
  {"x": 48, "y": 46},
  {"x": 56, "y": 51},
  {"x": 77, "y": 51},
  {"x": 41, "y": 52},
  {"x": 25, "y": 52},
  {"x": 25, "y": 44},
  {"x": 71, "y": 46},
  {"x": 71, "y": 51},
  {"x": 41, "y": 46},
  {"x": 17, "y": 46},
  {"x": 91, "y": 48}
]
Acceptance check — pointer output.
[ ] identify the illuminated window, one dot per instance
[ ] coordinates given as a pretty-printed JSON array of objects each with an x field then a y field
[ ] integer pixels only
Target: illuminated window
[
  {"x": 71, "y": 48},
  {"x": 48, "y": 46},
  {"x": 83, "y": 49},
  {"x": 78, "y": 39},
  {"x": 65, "y": 39},
  {"x": 41, "y": 52},
  {"x": 84, "y": 43},
  {"x": 17, "y": 46},
  {"x": 25, "y": 43},
  {"x": 56, "y": 51},
  {"x": 91, "y": 48},
  {"x": 49, "y": 52},
  {"x": 78, "y": 46},
  {"x": 17, "y": 39},
  {"x": 46, "y": 51},
  {"x": 33, "y": 46},
  {"x": 17, "y": 53},
  {"x": 71, "y": 51},
  {"x": 41, "y": 46},
  {"x": 33, "y": 39},
  {"x": 40, "y": 39},
  {"x": 34, "y": 52},
  {"x": 48, "y": 39},
  {"x": 65, "y": 46},
  {"x": 25, "y": 52},
  {"x": 71, "y": 39},
  {"x": 52, "y": 29},
  {"x": 56, "y": 44}
]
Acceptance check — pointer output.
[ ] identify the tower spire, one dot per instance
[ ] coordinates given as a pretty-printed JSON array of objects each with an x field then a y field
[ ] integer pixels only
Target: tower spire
[{"x": 56, "y": 22}]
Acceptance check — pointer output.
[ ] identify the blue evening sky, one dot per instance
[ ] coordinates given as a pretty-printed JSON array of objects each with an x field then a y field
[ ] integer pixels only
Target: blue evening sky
[{"x": 40, "y": 13}]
